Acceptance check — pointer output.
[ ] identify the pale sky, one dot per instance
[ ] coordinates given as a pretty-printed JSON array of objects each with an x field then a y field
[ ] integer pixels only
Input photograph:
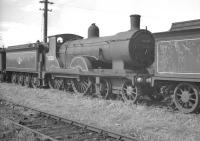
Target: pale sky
[{"x": 21, "y": 20}]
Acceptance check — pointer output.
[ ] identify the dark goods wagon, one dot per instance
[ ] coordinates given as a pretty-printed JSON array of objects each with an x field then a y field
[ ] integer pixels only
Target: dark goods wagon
[
  {"x": 24, "y": 63},
  {"x": 177, "y": 65}
]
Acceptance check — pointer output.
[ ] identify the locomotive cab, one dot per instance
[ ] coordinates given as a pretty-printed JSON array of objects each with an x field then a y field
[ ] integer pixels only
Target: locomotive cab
[{"x": 53, "y": 55}]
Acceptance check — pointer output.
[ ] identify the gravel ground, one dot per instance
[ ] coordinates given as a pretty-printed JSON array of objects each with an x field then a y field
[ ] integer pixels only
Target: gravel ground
[
  {"x": 147, "y": 123},
  {"x": 10, "y": 132}
]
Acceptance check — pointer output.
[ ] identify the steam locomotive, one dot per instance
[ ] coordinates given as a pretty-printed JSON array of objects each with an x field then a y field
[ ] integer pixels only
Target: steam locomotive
[
  {"x": 112, "y": 66},
  {"x": 127, "y": 66}
]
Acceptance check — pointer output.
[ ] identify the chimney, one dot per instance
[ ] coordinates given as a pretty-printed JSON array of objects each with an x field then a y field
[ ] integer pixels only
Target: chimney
[
  {"x": 135, "y": 22},
  {"x": 93, "y": 31}
]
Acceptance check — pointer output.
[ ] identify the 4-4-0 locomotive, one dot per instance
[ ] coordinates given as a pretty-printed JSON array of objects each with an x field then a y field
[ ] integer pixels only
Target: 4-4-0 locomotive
[{"x": 112, "y": 66}]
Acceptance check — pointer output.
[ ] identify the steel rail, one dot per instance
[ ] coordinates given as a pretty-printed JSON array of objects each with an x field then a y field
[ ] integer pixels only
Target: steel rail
[
  {"x": 115, "y": 135},
  {"x": 44, "y": 137}
]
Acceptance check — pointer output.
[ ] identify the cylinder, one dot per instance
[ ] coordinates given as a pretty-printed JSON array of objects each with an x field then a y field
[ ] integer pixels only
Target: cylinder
[
  {"x": 135, "y": 22},
  {"x": 93, "y": 31}
]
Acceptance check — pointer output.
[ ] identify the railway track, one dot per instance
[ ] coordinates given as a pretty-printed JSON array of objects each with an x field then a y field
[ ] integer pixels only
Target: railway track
[{"x": 48, "y": 127}]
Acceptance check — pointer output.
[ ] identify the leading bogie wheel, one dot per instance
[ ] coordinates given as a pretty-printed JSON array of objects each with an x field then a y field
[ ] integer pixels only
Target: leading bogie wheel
[
  {"x": 186, "y": 97},
  {"x": 130, "y": 93}
]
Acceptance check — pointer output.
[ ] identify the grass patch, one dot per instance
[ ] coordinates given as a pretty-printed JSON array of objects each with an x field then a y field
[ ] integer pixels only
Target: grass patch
[{"x": 147, "y": 123}]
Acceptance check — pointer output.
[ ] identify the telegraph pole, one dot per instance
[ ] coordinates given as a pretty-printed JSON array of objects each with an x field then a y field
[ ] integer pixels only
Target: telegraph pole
[
  {"x": 46, "y": 10},
  {"x": 1, "y": 43}
]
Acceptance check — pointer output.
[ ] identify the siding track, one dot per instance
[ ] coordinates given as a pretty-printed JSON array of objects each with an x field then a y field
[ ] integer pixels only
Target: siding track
[{"x": 49, "y": 127}]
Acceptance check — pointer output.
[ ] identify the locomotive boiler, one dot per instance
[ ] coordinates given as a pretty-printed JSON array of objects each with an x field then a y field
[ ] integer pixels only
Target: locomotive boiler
[{"x": 133, "y": 49}]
